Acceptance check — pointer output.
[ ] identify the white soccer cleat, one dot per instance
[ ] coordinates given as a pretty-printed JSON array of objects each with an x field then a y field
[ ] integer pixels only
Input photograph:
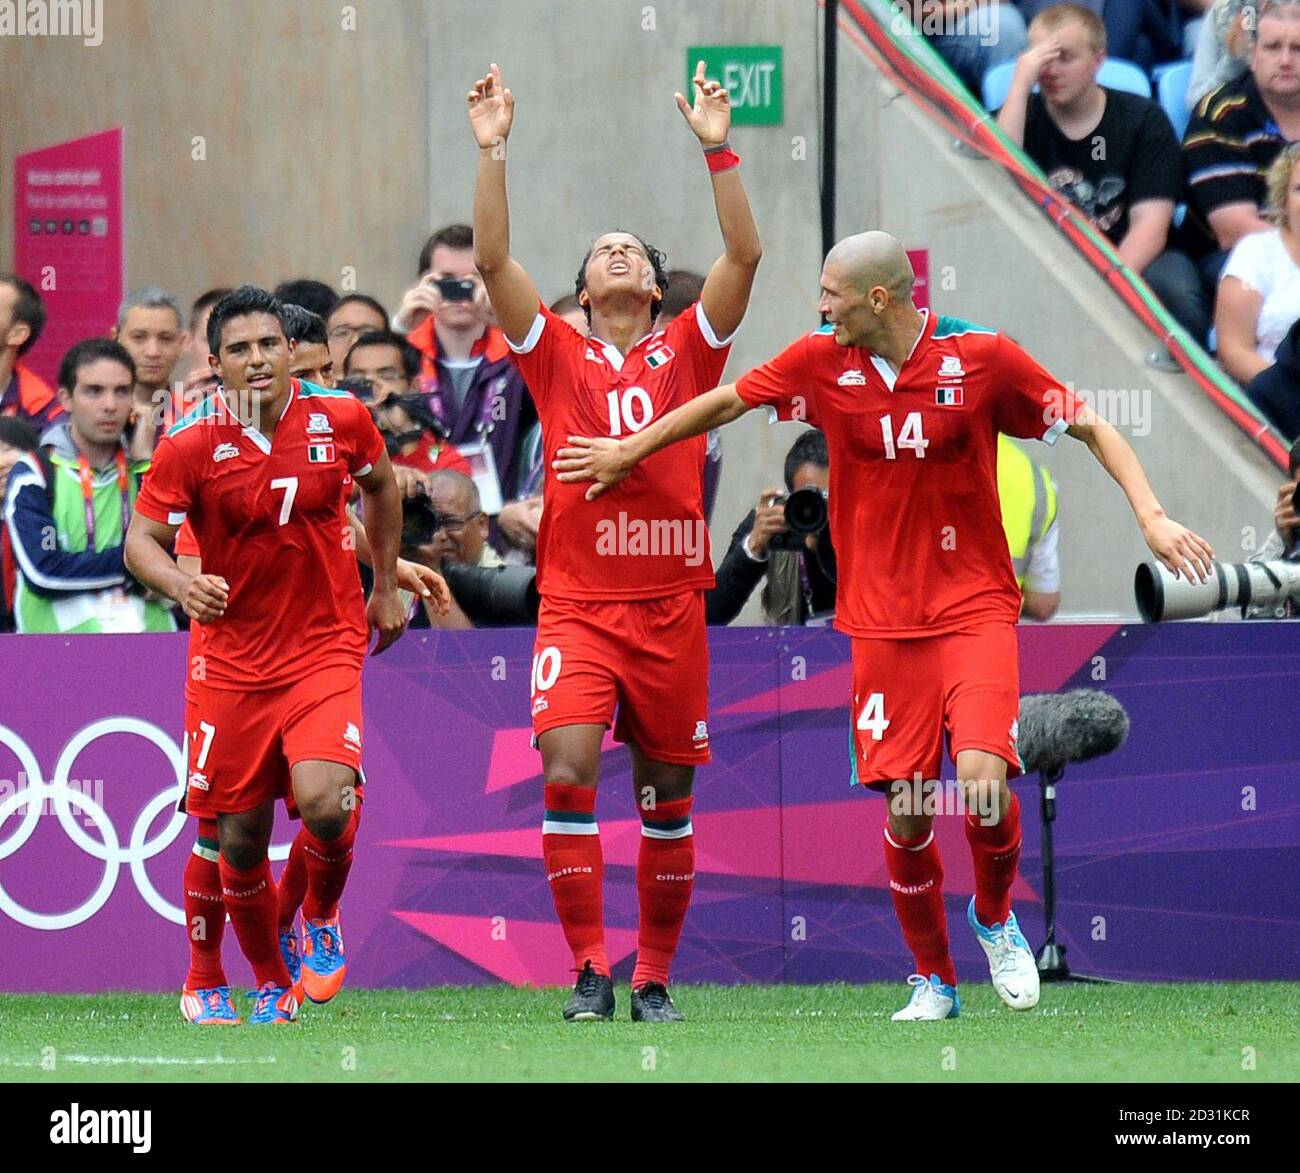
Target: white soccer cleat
[
  {"x": 931, "y": 1001},
  {"x": 1011, "y": 962}
]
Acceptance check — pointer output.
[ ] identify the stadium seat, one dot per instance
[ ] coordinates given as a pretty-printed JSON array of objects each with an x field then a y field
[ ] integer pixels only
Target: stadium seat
[
  {"x": 1171, "y": 85},
  {"x": 1116, "y": 74}
]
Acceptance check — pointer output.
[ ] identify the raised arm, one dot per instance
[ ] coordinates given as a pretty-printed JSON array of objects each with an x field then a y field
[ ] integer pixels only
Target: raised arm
[
  {"x": 725, "y": 296},
  {"x": 607, "y": 461},
  {"x": 512, "y": 293}
]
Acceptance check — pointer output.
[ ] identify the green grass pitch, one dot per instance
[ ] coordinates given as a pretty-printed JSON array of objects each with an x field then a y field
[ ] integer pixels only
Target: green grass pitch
[{"x": 1202, "y": 1032}]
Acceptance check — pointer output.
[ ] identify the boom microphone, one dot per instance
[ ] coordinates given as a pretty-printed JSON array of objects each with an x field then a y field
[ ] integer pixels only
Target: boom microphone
[{"x": 1059, "y": 728}]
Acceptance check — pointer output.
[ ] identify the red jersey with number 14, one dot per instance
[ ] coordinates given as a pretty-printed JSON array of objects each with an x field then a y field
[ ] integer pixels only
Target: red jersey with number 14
[
  {"x": 914, "y": 511},
  {"x": 645, "y": 538},
  {"x": 269, "y": 519}
]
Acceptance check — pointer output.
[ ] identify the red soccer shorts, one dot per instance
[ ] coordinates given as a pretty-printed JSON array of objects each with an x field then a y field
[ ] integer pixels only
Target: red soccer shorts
[
  {"x": 648, "y": 657},
  {"x": 909, "y": 693},
  {"x": 242, "y": 746}
]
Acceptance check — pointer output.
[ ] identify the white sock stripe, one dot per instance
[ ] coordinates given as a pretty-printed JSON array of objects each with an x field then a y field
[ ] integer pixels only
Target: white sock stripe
[
  {"x": 919, "y": 847},
  {"x": 649, "y": 831},
  {"x": 550, "y": 828},
  {"x": 205, "y": 852}
]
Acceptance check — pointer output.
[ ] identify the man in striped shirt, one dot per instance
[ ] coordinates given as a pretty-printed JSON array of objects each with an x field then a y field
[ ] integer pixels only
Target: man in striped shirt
[{"x": 1236, "y": 132}]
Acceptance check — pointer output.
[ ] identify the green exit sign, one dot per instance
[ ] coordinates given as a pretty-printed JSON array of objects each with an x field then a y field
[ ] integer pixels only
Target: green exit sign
[{"x": 752, "y": 75}]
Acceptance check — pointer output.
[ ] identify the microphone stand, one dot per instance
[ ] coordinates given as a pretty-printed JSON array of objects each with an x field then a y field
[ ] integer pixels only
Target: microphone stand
[{"x": 1052, "y": 966}]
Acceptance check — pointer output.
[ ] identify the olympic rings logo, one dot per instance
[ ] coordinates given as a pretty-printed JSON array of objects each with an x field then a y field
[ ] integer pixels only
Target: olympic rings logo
[{"x": 108, "y": 850}]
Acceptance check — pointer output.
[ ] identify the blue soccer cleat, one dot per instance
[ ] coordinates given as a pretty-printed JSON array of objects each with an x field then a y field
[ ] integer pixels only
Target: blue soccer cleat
[
  {"x": 209, "y": 1007},
  {"x": 324, "y": 965},
  {"x": 274, "y": 1005},
  {"x": 1011, "y": 963},
  {"x": 931, "y": 1001},
  {"x": 290, "y": 950}
]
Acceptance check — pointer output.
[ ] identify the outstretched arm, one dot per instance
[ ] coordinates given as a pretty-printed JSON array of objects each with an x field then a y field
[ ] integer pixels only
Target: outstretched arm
[
  {"x": 607, "y": 461},
  {"x": 725, "y": 295},
  {"x": 512, "y": 293},
  {"x": 1180, "y": 550}
]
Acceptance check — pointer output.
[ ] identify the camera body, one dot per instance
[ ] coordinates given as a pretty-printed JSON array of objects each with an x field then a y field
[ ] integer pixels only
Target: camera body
[{"x": 806, "y": 514}]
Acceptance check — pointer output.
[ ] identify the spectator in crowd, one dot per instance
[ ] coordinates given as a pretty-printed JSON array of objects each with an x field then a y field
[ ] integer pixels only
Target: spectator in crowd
[
  {"x": 152, "y": 329},
  {"x": 309, "y": 355},
  {"x": 78, "y": 582},
  {"x": 23, "y": 393},
  {"x": 1222, "y": 52},
  {"x": 455, "y": 531},
  {"x": 1237, "y": 132},
  {"x": 200, "y": 377},
  {"x": 799, "y": 584},
  {"x": 1127, "y": 189},
  {"x": 1145, "y": 32},
  {"x": 1259, "y": 292},
  {"x": 311, "y": 295},
  {"x": 416, "y": 439},
  {"x": 468, "y": 375},
  {"x": 683, "y": 291},
  {"x": 972, "y": 36},
  {"x": 353, "y": 315},
  {"x": 18, "y": 438},
  {"x": 1276, "y": 389}
]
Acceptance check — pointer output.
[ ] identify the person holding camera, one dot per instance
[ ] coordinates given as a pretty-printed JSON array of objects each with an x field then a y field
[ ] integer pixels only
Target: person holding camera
[
  {"x": 468, "y": 377},
  {"x": 798, "y": 575},
  {"x": 1283, "y": 543}
]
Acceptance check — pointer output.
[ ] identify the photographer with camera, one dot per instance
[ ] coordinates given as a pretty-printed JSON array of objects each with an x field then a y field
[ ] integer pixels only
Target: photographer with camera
[
  {"x": 380, "y": 370},
  {"x": 444, "y": 527},
  {"x": 784, "y": 541}
]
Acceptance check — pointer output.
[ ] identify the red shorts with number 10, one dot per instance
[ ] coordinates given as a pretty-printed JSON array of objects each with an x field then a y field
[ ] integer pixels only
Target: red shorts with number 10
[
  {"x": 242, "y": 746},
  {"x": 649, "y": 658},
  {"x": 909, "y": 693}
]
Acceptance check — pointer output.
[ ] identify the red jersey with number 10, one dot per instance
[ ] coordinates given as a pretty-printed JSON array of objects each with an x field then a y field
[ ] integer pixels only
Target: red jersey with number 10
[
  {"x": 645, "y": 538},
  {"x": 269, "y": 518},
  {"x": 914, "y": 512}
]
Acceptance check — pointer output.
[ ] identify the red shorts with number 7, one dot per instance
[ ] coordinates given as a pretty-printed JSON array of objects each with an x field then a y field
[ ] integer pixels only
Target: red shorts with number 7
[
  {"x": 242, "y": 746},
  {"x": 909, "y": 693}
]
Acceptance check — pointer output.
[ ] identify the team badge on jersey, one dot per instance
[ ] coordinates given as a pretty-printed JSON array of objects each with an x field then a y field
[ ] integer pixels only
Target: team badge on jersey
[
  {"x": 658, "y": 358},
  {"x": 950, "y": 367},
  {"x": 321, "y": 453},
  {"x": 701, "y": 731},
  {"x": 319, "y": 422}
]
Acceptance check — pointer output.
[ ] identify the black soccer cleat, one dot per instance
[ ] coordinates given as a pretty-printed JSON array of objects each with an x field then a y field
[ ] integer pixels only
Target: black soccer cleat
[
  {"x": 592, "y": 999},
  {"x": 652, "y": 1003}
]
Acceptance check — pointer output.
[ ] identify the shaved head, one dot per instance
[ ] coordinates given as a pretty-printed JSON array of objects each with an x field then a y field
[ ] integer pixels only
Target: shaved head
[{"x": 873, "y": 258}]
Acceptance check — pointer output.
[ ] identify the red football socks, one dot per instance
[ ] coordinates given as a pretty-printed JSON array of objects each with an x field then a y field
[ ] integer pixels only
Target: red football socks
[
  {"x": 205, "y": 911},
  {"x": 575, "y": 870},
  {"x": 665, "y": 875},
  {"x": 293, "y": 883},
  {"x": 328, "y": 864},
  {"x": 251, "y": 901},
  {"x": 996, "y": 852},
  {"x": 916, "y": 884}
]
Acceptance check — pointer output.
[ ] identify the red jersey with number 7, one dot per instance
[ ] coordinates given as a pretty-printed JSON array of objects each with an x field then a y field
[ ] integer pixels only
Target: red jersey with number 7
[
  {"x": 269, "y": 518},
  {"x": 914, "y": 512},
  {"x": 646, "y": 537}
]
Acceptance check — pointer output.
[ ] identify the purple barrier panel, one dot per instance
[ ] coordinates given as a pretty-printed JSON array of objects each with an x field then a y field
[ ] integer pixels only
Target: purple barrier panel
[{"x": 1194, "y": 877}]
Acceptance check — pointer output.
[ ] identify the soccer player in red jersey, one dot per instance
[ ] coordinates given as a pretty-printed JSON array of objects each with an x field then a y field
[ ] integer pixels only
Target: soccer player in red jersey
[
  {"x": 259, "y": 470},
  {"x": 621, "y": 580},
  {"x": 911, "y": 404}
]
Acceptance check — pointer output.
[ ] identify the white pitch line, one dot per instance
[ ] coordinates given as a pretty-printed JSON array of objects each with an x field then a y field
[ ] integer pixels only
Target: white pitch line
[{"x": 150, "y": 1060}]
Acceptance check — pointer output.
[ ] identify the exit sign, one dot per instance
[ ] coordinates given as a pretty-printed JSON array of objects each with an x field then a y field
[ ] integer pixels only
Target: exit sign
[{"x": 752, "y": 75}]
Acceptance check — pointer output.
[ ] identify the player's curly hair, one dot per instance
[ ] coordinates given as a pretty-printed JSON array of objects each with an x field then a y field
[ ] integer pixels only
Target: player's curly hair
[
  {"x": 658, "y": 261},
  {"x": 247, "y": 299}
]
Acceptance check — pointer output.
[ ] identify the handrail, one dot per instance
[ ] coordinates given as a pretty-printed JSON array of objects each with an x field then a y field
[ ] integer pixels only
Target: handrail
[{"x": 905, "y": 57}]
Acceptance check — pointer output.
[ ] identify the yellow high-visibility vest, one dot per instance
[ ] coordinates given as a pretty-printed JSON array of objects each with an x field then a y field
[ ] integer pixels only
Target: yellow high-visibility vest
[{"x": 1028, "y": 497}]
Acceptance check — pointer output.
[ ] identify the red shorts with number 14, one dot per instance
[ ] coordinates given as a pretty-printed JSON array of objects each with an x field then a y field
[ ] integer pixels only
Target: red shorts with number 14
[{"x": 909, "y": 693}]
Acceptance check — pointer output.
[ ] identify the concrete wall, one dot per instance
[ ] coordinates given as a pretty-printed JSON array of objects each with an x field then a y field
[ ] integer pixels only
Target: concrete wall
[{"x": 314, "y": 135}]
